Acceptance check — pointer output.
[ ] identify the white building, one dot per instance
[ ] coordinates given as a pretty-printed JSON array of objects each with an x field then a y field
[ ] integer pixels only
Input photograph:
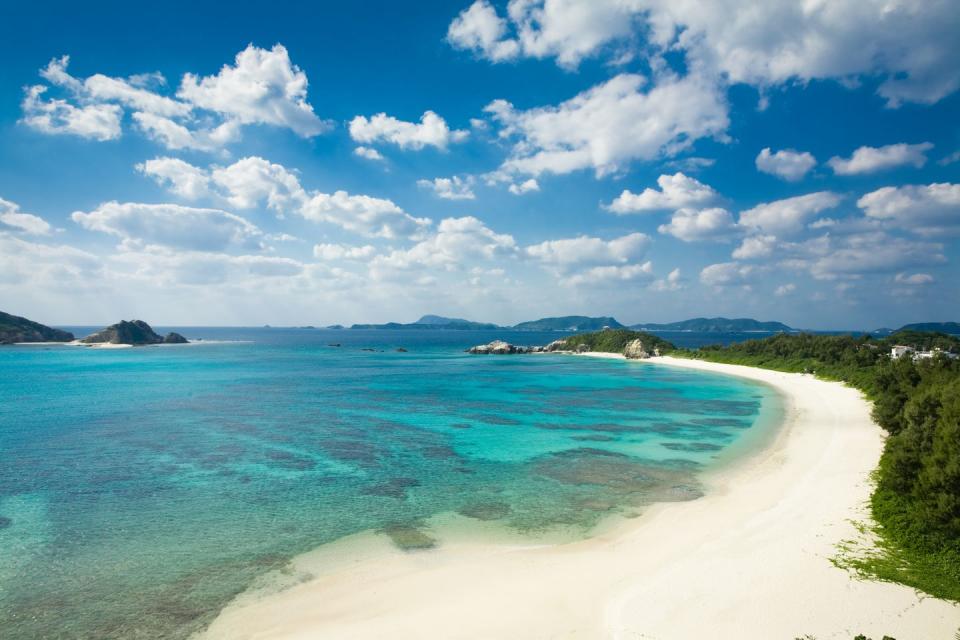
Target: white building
[{"x": 899, "y": 350}]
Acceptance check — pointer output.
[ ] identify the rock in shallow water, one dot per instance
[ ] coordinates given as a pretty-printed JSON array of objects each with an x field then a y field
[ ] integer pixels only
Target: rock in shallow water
[{"x": 409, "y": 537}]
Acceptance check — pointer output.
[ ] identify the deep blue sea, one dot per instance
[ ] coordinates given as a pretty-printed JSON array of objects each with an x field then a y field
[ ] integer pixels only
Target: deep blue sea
[{"x": 141, "y": 489}]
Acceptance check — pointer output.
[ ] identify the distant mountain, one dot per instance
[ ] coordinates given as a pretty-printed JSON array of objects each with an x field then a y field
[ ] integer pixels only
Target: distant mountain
[
  {"x": 432, "y": 322},
  {"x": 716, "y": 325},
  {"x": 952, "y": 328},
  {"x": 568, "y": 323},
  {"x": 431, "y": 319},
  {"x": 16, "y": 329}
]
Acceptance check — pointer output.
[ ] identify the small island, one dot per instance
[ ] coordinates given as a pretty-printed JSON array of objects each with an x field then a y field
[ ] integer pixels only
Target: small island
[
  {"x": 14, "y": 329},
  {"x": 133, "y": 333}
]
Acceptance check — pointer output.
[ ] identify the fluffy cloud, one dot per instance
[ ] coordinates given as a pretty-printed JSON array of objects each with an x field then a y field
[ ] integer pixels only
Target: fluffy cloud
[
  {"x": 362, "y": 214},
  {"x": 262, "y": 87},
  {"x": 673, "y": 282},
  {"x": 343, "y": 252},
  {"x": 368, "y": 153},
  {"x": 593, "y": 261},
  {"x": 785, "y": 289},
  {"x": 570, "y": 253},
  {"x": 527, "y": 186},
  {"x": 182, "y": 178},
  {"x": 755, "y": 247},
  {"x": 455, "y": 188},
  {"x": 611, "y": 124},
  {"x": 691, "y": 225},
  {"x": 595, "y": 276},
  {"x": 914, "y": 279},
  {"x": 95, "y": 121},
  {"x": 787, "y": 164},
  {"x": 855, "y": 255},
  {"x": 480, "y": 28},
  {"x": 253, "y": 180},
  {"x": 431, "y": 131},
  {"x": 872, "y": 159},
  {"x": 925, "y": 209},
  {"x": 168, "y": 267},
  {"x": 725, "y": 274},
  {"x": 675, "y": 191},
  {"x": 175, "y": 136},
  {"x": 172, "y": 225},
  {"x": 12, "y": 218},
  {"x": 910, "y": 48},
  {"x": 52, "y": 267},
  {"x": 456, "y": 242},
  {"x": 788, "y": 215},
  {"x": 568, "y": 31}
]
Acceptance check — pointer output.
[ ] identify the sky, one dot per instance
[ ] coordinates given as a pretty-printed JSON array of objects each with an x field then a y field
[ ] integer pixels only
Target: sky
[{"x": 320, "y": 163}]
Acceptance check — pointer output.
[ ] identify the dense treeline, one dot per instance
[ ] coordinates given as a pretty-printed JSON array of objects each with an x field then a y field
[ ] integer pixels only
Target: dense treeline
[
  {"x": 614, "y": 341},
  {"x": 917, "y": 496}
]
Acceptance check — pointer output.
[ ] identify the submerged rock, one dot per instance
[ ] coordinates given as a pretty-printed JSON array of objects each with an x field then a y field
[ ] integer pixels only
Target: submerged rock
[
  {"x": 133, "y": 332},
  {"x": 485, "y": 510},
  {"x": 409, "y": 537}
]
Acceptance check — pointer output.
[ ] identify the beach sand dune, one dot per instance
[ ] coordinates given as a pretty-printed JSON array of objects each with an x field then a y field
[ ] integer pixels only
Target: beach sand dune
[{"x": 749, "y": 560}]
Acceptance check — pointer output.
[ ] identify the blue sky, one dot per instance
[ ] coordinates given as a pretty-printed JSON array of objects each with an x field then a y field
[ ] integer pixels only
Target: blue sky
[{"x": 191, "y": 165}]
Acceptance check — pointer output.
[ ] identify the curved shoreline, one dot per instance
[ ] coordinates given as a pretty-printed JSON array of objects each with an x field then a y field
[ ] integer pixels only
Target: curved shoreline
[{"x": 751, "y": 559}]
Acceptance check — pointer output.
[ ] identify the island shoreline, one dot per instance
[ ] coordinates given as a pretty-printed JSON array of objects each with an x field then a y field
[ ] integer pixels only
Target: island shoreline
[{"x": 750, "y": 559}]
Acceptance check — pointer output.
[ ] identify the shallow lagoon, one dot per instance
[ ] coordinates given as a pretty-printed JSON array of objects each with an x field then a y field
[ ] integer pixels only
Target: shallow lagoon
[{"x": 141, "y": 489}]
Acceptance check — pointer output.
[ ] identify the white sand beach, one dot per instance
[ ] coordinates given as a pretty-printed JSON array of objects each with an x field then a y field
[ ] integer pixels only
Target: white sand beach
[{"x": 750, "y": 560}]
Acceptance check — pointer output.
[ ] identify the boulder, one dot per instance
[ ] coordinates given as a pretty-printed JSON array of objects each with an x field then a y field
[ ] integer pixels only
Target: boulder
[
  {"x": 174, "y": 338},
  {"x": 634, "y": 350},
  {"x": 556, "y": 345},
  {"x": 582, "y": 348}
]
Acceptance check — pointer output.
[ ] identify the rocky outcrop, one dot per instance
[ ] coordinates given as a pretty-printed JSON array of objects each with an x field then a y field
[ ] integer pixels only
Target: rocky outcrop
[
  {"x": 133, "y": 332},
  {"x": 499, "y": 347},
  {"x": 556, "y": 345},
  {"x": 15, "y": 329},
  {"x": 634, "y": 350}
]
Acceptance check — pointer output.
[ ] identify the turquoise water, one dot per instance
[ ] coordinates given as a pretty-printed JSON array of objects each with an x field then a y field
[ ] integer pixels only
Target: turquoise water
[{"x": 141, "y": 489}]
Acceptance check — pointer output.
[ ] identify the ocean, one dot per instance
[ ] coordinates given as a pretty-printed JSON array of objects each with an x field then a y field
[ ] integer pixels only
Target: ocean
[{"x": 142, "y": 489}]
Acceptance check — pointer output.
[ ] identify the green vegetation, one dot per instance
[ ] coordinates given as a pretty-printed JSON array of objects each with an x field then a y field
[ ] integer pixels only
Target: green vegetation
[
  {"x": 916, "y": 503},
  {"x": 614, "y": 340}
]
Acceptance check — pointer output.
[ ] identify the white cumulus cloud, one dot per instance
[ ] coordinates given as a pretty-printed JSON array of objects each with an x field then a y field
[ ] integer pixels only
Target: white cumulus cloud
[
  {"x": 454, "y": 188},
  {"x": 787, "y": 164},
  {"x": 529, "y": 185},
  {"x": 12, "y": 218},
  {"x": 910, "y": 48},
  {"x": 676, "y": 191},
  {"x": 171, "y": 225},
  {"x": 925, "y": 209},
  {"x": 432, "y": 130},
  {"x": 872, "y": 159},
  {"x": 262, "y": 87},
  {"x": 788, "y": 215},
  {"x": 691, "y": 225},
  {"x": 606, "y": 127}
]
